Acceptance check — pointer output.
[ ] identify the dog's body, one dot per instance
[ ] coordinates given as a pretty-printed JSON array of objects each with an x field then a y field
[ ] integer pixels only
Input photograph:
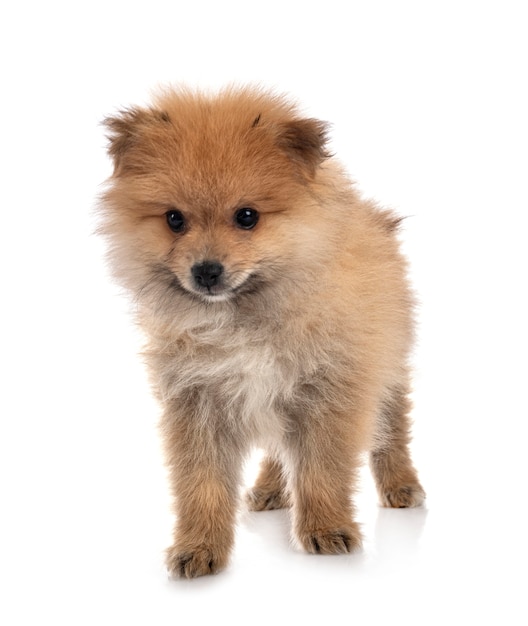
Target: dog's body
[{"x": 277, "y": 312}]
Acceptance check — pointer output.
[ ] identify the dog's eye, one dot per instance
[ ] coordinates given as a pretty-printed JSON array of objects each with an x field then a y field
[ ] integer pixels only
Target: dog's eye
[
  {"x": 246, "y": 218},
  {"x": 175, "y": 220}
]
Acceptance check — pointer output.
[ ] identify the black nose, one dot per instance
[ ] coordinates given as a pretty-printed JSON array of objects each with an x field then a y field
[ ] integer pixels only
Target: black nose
[{"x": 207, "y": 274}]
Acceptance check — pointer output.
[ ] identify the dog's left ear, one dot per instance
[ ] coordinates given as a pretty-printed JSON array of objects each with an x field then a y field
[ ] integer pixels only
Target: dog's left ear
[{"x": 304, "y": 140}]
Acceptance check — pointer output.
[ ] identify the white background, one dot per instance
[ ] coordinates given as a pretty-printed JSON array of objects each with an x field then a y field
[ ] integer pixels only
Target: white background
[{"x": 429, "y": 109}]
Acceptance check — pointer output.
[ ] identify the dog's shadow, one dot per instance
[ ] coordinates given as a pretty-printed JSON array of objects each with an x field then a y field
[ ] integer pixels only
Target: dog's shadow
[
  {"x": 272, "y": 529},
  {"x": 397, "y": 535}
]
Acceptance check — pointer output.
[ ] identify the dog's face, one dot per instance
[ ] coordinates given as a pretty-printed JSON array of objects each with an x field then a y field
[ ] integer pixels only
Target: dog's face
[{"x": 213, "y": 194}]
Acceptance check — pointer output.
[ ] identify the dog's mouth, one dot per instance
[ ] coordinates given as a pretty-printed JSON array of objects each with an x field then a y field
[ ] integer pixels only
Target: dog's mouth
[{"x": 215, "y": 293}]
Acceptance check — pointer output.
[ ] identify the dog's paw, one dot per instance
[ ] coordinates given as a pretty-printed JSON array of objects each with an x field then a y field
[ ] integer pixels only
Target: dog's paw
[
  {"x": 402, "y": 497},
  {"x": 258, "y": 499},
  {"x": 331, "y": 540},
  {"x": 200, "y": 561}
]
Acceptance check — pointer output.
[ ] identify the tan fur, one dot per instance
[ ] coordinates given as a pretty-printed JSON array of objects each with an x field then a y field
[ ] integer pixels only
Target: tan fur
[{"x": 301, "y": 345}]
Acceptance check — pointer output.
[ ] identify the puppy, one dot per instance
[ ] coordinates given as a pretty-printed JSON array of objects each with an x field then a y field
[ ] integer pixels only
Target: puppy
[{"x": 277, "y": 313}]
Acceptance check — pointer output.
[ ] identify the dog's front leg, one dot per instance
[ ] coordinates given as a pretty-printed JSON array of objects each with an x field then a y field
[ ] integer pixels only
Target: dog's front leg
[
  {"x": 323, "y": 458},
  {"x": 204, "y": 470}
]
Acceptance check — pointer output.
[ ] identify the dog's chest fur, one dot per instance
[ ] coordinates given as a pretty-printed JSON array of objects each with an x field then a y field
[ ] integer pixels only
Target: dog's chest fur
[{"x": 234, "y": 380}]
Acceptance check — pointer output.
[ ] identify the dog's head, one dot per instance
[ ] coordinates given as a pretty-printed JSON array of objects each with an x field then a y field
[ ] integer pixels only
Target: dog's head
[{"x": 215, "y": 195}]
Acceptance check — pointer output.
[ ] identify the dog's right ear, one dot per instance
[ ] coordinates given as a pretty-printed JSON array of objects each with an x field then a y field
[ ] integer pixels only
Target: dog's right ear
[
  {"x": 304, "y": 140},
  {"x": 127, "y": 134}
]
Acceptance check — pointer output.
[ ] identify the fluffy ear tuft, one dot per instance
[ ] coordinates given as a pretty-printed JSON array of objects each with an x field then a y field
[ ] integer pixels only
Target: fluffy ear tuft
[
  {"x": 305, "y": 142},
  {"x": 126, "y": 130}
]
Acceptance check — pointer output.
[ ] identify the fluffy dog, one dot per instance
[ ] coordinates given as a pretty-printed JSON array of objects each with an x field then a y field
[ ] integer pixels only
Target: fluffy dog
[{"x": 277, "y": 313}]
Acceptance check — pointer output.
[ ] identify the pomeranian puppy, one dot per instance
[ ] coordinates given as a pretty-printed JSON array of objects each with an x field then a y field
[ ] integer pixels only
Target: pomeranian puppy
[{"x": 277, "y": 314}]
